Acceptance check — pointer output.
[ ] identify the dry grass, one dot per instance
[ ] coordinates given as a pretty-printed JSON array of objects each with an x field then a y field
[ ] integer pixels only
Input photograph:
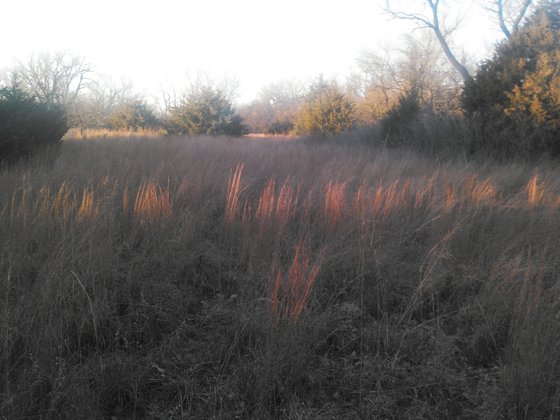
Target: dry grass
[
  {"x": 234, "y": 188},
  {"x": 103, "y": 133},
  {"x": 223, "y": 278},
  {"x": 291, "y": 292},
  {"x": 152, "y": 203}
]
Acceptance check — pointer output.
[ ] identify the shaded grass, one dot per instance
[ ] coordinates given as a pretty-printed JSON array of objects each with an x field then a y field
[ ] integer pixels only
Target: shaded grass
[{"x": 215, "y": 278}]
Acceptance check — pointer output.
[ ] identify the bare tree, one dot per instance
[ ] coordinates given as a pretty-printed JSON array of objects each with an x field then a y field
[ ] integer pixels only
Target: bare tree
[
  {"x": 377, "y": 85},
  {"x": 53, "y": 79},
  {"x": 109, "y": 94},
  {"x": 92, "y": 107},
  {"x": 431, "y": 17},
  {"x": 172, "y": 96},
  {"x": 418, "y": 64},
  {"x": 508, "y": 12},
  {"x": 169, "y": 99},
  {"x": 283, "y": 96},
  {"x": 276, "y": 106}
]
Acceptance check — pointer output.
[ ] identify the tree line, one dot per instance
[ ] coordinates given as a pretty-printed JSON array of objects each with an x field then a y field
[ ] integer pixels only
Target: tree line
[{"x": 508, "y": 105}]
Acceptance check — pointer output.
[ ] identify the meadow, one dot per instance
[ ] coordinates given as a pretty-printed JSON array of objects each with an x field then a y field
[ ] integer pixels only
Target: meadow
[{"x": 251, "y": 278}]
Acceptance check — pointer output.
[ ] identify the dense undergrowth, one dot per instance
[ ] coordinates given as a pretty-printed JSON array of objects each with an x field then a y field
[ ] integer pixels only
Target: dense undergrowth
[{"x": 232, "y": 278}]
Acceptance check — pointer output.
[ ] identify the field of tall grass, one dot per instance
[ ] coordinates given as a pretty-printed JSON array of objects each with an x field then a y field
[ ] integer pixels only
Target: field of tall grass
[{"x": 233, "y": 278}]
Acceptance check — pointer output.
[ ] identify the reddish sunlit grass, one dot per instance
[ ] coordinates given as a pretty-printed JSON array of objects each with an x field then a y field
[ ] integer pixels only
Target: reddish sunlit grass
[
  {"x": 385, "y": 200},
  {"x": 361, "y": 199},
  {"x": 450, "y": 196},
  {"x": 87, "y": 208},
  {"x": 267, "y": 201},
  {"x": 479, "y": 192},
  {"x": 291, "y": 291},
  {"x": 471, "y": 191},
  {"x": 335, "y": 194},
  {"x": 63, "y": 203},
  {"x": 286, "y": 204},
  {"x": 423, "y": 247},
  {"x": 233, "y": 190},
  {"x": 535, "y": 192},
  {"x": 152, "y": 202}
]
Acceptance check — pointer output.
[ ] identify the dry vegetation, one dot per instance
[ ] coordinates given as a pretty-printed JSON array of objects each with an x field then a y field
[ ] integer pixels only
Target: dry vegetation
[{"x": 228, "y": 278}]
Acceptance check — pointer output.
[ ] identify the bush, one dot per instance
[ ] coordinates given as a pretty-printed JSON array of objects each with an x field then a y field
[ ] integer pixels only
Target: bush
[
  {"x": 515, "y": 96},
  {"x": 28, "y": 126},
  {"x": 205, "y": 110},
  {"x": 326, "y": 111},
  {"x": 280, "y": 127},
  {"x": 401, "y": 121},
  {"x": 133, "y": 115}
]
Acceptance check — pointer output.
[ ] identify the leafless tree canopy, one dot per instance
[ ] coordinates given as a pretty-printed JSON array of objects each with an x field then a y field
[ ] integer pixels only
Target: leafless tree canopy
[
  {"x": 431, "y": 14},
  {"x": 53, "y": 78},
  {"x": 276, "y": 102},
  {"x": 91, "y": 108},
  {"x": 172, "y": 97},
  {"x": 510, "y": 14},
  {"x": 386, "y": 74}
]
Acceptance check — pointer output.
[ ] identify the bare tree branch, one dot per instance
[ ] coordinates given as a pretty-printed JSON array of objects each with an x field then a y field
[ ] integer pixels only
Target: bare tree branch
[
  {"x": 515, "y": 18},
  {"x": 501, "y": 20},
  {"x": 521, "y": 15},
  {"x": 433, "y": 22}
]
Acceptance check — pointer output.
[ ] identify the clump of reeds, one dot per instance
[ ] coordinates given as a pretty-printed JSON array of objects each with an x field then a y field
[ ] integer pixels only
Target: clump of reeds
[
  {"x": 479, "y": 192},
  {"x": 535, "y": 192},
  {"x": 335, "y": 194},
  {"x": 286, "y": 204},
  {"x": 291, "y": 291},
  {"x": 233, "y": 191},
  {"x": 87, "y": 208},
  {"x": 152, "y": 203},
  {"x": 267, "y": 201}
]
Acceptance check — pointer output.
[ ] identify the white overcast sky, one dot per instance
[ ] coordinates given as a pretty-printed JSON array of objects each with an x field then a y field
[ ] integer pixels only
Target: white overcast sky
[{"x": 255, "y": 41}]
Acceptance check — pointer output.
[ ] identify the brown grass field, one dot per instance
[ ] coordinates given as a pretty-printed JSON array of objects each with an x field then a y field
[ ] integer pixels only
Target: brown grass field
[{"x": 232, "y": 278}]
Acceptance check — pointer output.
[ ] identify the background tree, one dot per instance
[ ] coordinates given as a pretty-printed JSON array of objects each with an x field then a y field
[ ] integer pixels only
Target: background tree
[
  {"x": 514, "y": 97},
  {"x": 133, "y": 115},
  {"x": 401, "y": 122},
  {"x": 326, "y": 110},
  {"x": 435, "y": 16},
  {"x": 205, "y": 110},
  {"x": 53, "y": 78},
  {"x": 509, "y": 13},
  {"x": 429, "y": 15},
  {"x": 257, "y": 115},
  {"x": 418, "y": 65},
  {"x": 276, "y": 107},
  {"x": 28, "y": 126},
  {"x": 94, "y": 105}
]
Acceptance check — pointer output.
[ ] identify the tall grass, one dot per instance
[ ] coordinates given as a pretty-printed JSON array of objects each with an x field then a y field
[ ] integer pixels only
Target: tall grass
[
  {"x": 234, "y": 188},
  {"x": 291, "y": 292},
  {"x": 223, "y": 278}
]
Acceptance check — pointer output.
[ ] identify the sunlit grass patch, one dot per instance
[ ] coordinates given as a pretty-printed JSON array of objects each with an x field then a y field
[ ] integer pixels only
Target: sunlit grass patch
[{"x": 276, "y": 276}]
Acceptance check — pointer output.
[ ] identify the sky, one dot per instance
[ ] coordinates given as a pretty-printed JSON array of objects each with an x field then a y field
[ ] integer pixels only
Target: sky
[{"x": 257, "y": 42}]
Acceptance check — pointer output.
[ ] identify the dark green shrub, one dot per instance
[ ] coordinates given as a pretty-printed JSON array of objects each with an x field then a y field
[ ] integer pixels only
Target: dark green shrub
[
  {"x": 28, "y": 126},
  {"x": 280, "y": 127},
  {"x": 515, "y": 97},
  {"x": 400, "y": 123},
  {"x": 205, "y": 110}
]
